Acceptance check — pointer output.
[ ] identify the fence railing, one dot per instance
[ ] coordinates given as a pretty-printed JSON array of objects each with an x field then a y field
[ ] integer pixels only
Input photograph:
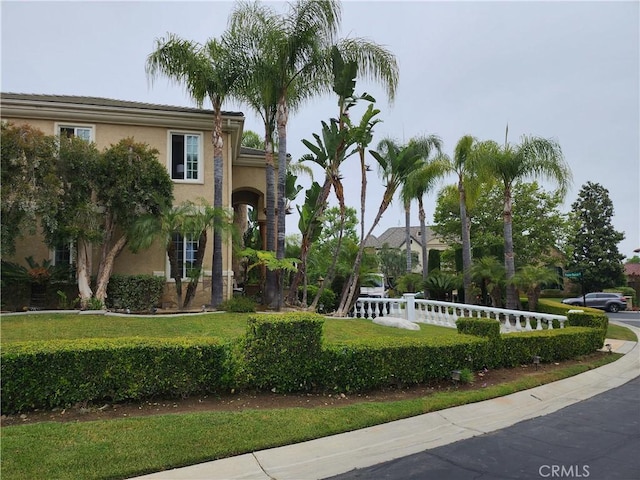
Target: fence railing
[{"x": 445, "y": 314}]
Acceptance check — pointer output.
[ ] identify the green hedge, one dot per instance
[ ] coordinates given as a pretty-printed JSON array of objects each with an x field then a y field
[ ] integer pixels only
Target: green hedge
[
  {"x": 63, "y": 373},
  {"x": 281, "y": 351},
  {"x": 397, "y": 362},
  {"x": 135, "y": 292}
]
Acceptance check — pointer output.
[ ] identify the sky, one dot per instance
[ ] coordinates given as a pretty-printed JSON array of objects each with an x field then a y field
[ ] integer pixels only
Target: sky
[{"x": 568, "y": 71}]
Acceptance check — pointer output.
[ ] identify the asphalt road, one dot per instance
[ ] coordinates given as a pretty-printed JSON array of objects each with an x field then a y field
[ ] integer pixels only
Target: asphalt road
[{"x": 598, "y": 438}]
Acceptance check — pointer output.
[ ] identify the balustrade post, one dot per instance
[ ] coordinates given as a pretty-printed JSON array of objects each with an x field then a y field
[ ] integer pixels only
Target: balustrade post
[{"x": 410, "y": 310}]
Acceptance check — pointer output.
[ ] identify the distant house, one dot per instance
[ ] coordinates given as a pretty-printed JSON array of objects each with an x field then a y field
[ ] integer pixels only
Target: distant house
[
  {"x": 395, "y": 237},
  {"x": 632, "y": 273},
  {"x": 183, "y": 138}
]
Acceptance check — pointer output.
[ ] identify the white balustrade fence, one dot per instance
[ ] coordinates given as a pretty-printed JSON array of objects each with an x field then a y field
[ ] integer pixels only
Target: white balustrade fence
[{"x": 445, "y": 314}]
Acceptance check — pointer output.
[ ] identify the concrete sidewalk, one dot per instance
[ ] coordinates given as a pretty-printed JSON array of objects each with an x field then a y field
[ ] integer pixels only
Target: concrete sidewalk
[{"x": 326, "y": 457}]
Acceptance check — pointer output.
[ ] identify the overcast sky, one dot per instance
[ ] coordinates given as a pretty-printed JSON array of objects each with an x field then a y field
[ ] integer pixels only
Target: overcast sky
[{"x": 563, "y": 70}]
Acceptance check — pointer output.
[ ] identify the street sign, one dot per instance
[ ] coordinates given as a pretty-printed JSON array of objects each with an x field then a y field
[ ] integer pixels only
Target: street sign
[{"x": 573, "y": 274}]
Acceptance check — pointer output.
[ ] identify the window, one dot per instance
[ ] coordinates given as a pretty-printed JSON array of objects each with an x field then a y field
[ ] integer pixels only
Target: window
[
  {"x": 185, "y": 156},
  {"x": 186, "y": 251},
  {"x": 83, "y": 132},
  {"x": 64, "y": 259}
]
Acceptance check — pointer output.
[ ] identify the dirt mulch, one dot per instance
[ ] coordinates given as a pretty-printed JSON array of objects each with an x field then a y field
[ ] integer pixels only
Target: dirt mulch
[{"x": 237, "y": 401}]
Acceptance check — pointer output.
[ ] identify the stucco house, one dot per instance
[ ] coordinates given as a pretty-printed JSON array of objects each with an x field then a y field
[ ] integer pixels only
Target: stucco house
[
  {"x": 395, "y": 237},
  {"x": 183, "y": 138}
]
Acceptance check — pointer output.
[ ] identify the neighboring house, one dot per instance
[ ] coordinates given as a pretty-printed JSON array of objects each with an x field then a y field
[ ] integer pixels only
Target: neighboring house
[
  {"x": 632, "y": 272},
  {"x": 183, "y": 138},
  {"x": 395, "y": 237}
]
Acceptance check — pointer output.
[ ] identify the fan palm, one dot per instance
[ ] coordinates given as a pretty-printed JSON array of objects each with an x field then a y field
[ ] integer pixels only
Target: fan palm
[
  {"x": 207, "y": 72},
  {"x": 534, "y": 157},
  {"x": 294, "y": 52},
  {"x": 396, "y": 162},
  {"x": 416, "y": 186}
]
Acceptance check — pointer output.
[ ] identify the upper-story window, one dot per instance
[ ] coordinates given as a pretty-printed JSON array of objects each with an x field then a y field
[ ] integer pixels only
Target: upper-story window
[
  {"x": 83, "y": 132},
  {"x": 185, "y": 156}
]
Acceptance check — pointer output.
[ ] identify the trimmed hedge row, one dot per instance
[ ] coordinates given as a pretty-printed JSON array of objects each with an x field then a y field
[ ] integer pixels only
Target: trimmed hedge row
[
  {"x": 280, "y": 352},
  {"x": 63, "y": 373}
]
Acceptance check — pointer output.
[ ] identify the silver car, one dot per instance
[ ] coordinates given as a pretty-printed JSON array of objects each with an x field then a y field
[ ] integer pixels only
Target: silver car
[{"x": 611, "y": 302}]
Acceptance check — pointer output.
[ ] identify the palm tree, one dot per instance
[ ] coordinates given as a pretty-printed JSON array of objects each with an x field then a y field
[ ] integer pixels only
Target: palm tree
[
  {"x": 530, "y": 278},
  {"x": 396, "y": 162},
  {"x": 295, "y": 52},
  {"x": 206, "y": 71},
  {"x": 534, "y": 157},
  {"x": 489, "y": 273},
  {"x": 416, "y": 186}
]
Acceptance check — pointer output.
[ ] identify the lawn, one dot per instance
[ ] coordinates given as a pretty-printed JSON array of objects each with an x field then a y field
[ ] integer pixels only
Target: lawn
[
  {"x": 127, "y": 447},
  {"x": 18, "y": 328}
]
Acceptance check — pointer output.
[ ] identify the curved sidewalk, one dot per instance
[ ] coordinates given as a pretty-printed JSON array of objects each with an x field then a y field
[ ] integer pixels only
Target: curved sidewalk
[{"x": 329, "y": 456}]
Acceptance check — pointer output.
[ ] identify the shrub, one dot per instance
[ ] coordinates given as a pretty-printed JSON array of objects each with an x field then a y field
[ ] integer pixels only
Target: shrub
[
  {"x": 282, "y": 351},
  {"x": 135, "y": 292},
  {"x": 238, "y": 305},
  {"x": 326, "y": 302},
  {"x": 481, "y": 327},
  {"x": 65, "y": 372}
]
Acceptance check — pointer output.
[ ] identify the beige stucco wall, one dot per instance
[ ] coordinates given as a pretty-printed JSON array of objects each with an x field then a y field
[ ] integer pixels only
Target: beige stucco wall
[{"x": 153, "y": 260}]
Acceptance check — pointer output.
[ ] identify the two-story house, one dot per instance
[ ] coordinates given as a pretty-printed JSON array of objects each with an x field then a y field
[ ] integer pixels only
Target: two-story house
[{"x": 183, "y": 138}]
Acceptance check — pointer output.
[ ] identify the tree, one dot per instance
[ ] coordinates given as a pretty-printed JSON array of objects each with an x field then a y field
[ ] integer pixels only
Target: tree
[
  {"x": 396, "y": 162},
  {"x": 298, "y": 49},
  {"x": 206, "y": 71},
  {"x": 251, "y": 139},
  {"x": 534, "y": 157},
  {"x": 489, "y": 273},
  {"x": 131, "y": 182},
  {"x": 416, "y": 186},
  {"x": 530, "y": 279},
  {"x": 593, "y": 244},
  {"x": 28, "y": 178},
  {"x": 77, "y": 215},
  {"x": 463, "y": 165}
]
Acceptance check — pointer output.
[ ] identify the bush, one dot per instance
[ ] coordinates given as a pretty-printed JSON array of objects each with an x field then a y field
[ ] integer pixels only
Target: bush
[
  {"x": 282, "y": 351},
  {"x": 481, "y": 327},
  {"x": 326, "y": 302},
  {"x": 66, "y": 372},
  {"x": 135, "y": 292},
  {"x": 238, "y": 305},
  {"x": 552, "y": 293}
]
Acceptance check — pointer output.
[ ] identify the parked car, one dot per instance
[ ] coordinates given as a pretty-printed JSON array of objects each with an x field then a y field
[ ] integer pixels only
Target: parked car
[{"x": 612, "y": 302}]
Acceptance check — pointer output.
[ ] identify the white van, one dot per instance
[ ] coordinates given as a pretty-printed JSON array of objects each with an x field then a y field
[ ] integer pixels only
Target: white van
[{"x": 373, "y": 285}]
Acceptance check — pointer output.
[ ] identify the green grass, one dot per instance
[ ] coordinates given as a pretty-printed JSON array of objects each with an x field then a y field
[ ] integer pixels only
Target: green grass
[
  {"x": 222, "y": 325},
  {"x": 134, "y": 446},
  {"x": 618, "y": 332},
  {"x": 123, "y": 448}
]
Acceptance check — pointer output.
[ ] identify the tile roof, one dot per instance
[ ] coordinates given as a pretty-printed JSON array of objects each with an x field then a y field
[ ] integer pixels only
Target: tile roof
[
  {"x": 632, "y": 269},
  {"x": 105, "y": 102},
  {"x": 395, "y": 237}
]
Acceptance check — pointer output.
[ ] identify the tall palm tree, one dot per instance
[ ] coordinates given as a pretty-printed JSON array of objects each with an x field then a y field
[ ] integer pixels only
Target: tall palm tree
[
  {"x": 533, "y": 158},
  {"x": 416, "y": 186},
  {"x": 396, "y": 162},
  {"x": 298, "y": 47},
  {"x": 206, "y": 71},
  {"x": 464, "y": 166}
]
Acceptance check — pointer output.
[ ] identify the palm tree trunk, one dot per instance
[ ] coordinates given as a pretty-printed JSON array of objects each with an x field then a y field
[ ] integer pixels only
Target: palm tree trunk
[
  {"x": 466, "y": 245},
  {"x": 282, "y": 117},
  {"x": 350, "y": 286},
  {"x": 407, "y": 234},
  {"x": 270, "y": 277},
  {"x": 218, "y": 180},
  {"x": 423, "y": 236},
  {"x": 509, "y": 260}
]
